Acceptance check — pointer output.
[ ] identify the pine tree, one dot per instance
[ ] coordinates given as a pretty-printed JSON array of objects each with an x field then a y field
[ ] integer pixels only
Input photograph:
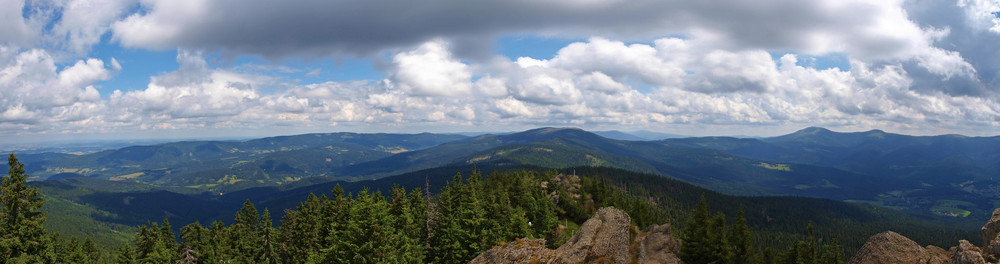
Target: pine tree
[{"x": 22, "y": 237}]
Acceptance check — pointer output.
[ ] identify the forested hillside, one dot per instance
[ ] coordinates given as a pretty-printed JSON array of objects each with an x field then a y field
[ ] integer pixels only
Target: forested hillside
[
  {"x": 224, "y": 167},
  {"x": 946, "y": 175},
  {"x": 471, "y": 214}
]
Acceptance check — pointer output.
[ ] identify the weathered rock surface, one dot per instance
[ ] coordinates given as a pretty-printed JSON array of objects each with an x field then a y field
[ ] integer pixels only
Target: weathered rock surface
[
  {"x": 657, "y": 244},
  {"x": 605, "y": 235},
  {"x": 520, "y": 251},
  {"x": 992, "y": 227},
  {"x": 967, "y": 254},
  {"x": 937, "y": 255},
  {"x": 992, "y": 249},
  {"x": 604, "y": 238},
  {"x": 890, "y": 247}
]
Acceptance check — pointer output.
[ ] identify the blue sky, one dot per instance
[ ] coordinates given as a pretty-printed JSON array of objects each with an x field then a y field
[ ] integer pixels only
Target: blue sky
[{"x": 197, "y": 68}]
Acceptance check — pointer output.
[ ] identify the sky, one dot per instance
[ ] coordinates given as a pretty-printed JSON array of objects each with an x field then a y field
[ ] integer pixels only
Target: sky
[{"x": 118, "y": 69}]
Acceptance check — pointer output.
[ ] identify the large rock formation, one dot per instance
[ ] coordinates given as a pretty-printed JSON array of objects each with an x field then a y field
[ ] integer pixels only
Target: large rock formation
[
  {"x": 992, "y": 227},
  {"x": 890, "y": 247},
  {"x": 607, "y": 237},
  {"x": 967, "y": 254}
]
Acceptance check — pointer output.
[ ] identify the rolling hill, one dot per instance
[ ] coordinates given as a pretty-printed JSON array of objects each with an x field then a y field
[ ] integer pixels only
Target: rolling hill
[
  {"x": 950, "y": 169},
  {"x": 914, "y": 181},
  {"x": 947, "y": 175},
  {"x": 728, "y": 166},
  {"x": 218, "y": 165}
]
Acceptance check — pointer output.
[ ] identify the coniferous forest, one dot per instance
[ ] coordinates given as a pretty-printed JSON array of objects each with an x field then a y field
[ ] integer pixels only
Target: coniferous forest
[{"x": 466, "y": 217}]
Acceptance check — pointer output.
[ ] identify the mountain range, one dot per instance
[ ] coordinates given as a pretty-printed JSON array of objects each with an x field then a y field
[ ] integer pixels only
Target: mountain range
[
  {"x": 948, "y": 173},
  {"x": 933, "y": 176}
]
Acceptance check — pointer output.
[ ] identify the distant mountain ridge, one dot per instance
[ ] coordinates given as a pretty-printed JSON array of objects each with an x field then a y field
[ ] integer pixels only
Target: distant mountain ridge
[
  {"x": 938, "y": 175},
  {"x": 950, "y": 169},
  {"x": 945, "y": 174},
  {"x": 258, "y": 161}
]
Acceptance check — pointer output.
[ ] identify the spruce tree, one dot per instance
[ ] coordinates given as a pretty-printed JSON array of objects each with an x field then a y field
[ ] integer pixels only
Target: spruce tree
[
  {"x": 696, "y": 248},
  {"x": 718, "y": 246},
  {"x": 22, "y": 237},
  {"x": 245, "y": 233},
  {"x": 808, "y": 252},
  {"x": 58, "y": 247},
  {"x": 418, "y": 204},
  {"x": 460, "y": 232},
  {"x": 269, "y": 244},
  {"x": 152, "y": 246},
  {"x": 145, "y": 240},
  {"x": 126, "y": 255},
  {"x": 219, "y": 246},
  {"x": 303, "y": 230},
  {"x": 368, "y": 235},
  {"x": 194, "y": 240},
  {"x": 411, "y": 246},
  {"x": 833, "y": 253},
  {"x": 188, "y": 256},
  {"x": 739, "y": 241},
  {"x": 74, "y": 251},
  {"x": 167, "y": 236},
  {"x": 90, "y": 250}
]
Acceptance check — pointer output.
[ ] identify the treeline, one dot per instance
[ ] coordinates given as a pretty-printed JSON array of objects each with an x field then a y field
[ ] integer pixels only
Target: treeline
[
  {"x": 707, "y": 239},
  {"x": 469, "y": 216}
]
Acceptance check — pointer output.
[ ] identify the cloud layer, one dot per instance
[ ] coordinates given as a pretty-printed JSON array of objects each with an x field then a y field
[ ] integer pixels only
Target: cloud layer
[{"x": 921, "y": 67}]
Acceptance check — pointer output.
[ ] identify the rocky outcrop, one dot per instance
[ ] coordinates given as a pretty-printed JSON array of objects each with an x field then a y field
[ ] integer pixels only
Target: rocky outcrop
[
  {"x": 992, "y": 227},
  {"x": 938, "y": 255},
  {"x": 967, "y": 254},
  {"x": 657, "y": 244},
  {"x": 607, "y": 237},
  {"x": 890, "y": 247},
  {"x": 519, "y": 251},
  {"x": 603, "y": 236}
]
